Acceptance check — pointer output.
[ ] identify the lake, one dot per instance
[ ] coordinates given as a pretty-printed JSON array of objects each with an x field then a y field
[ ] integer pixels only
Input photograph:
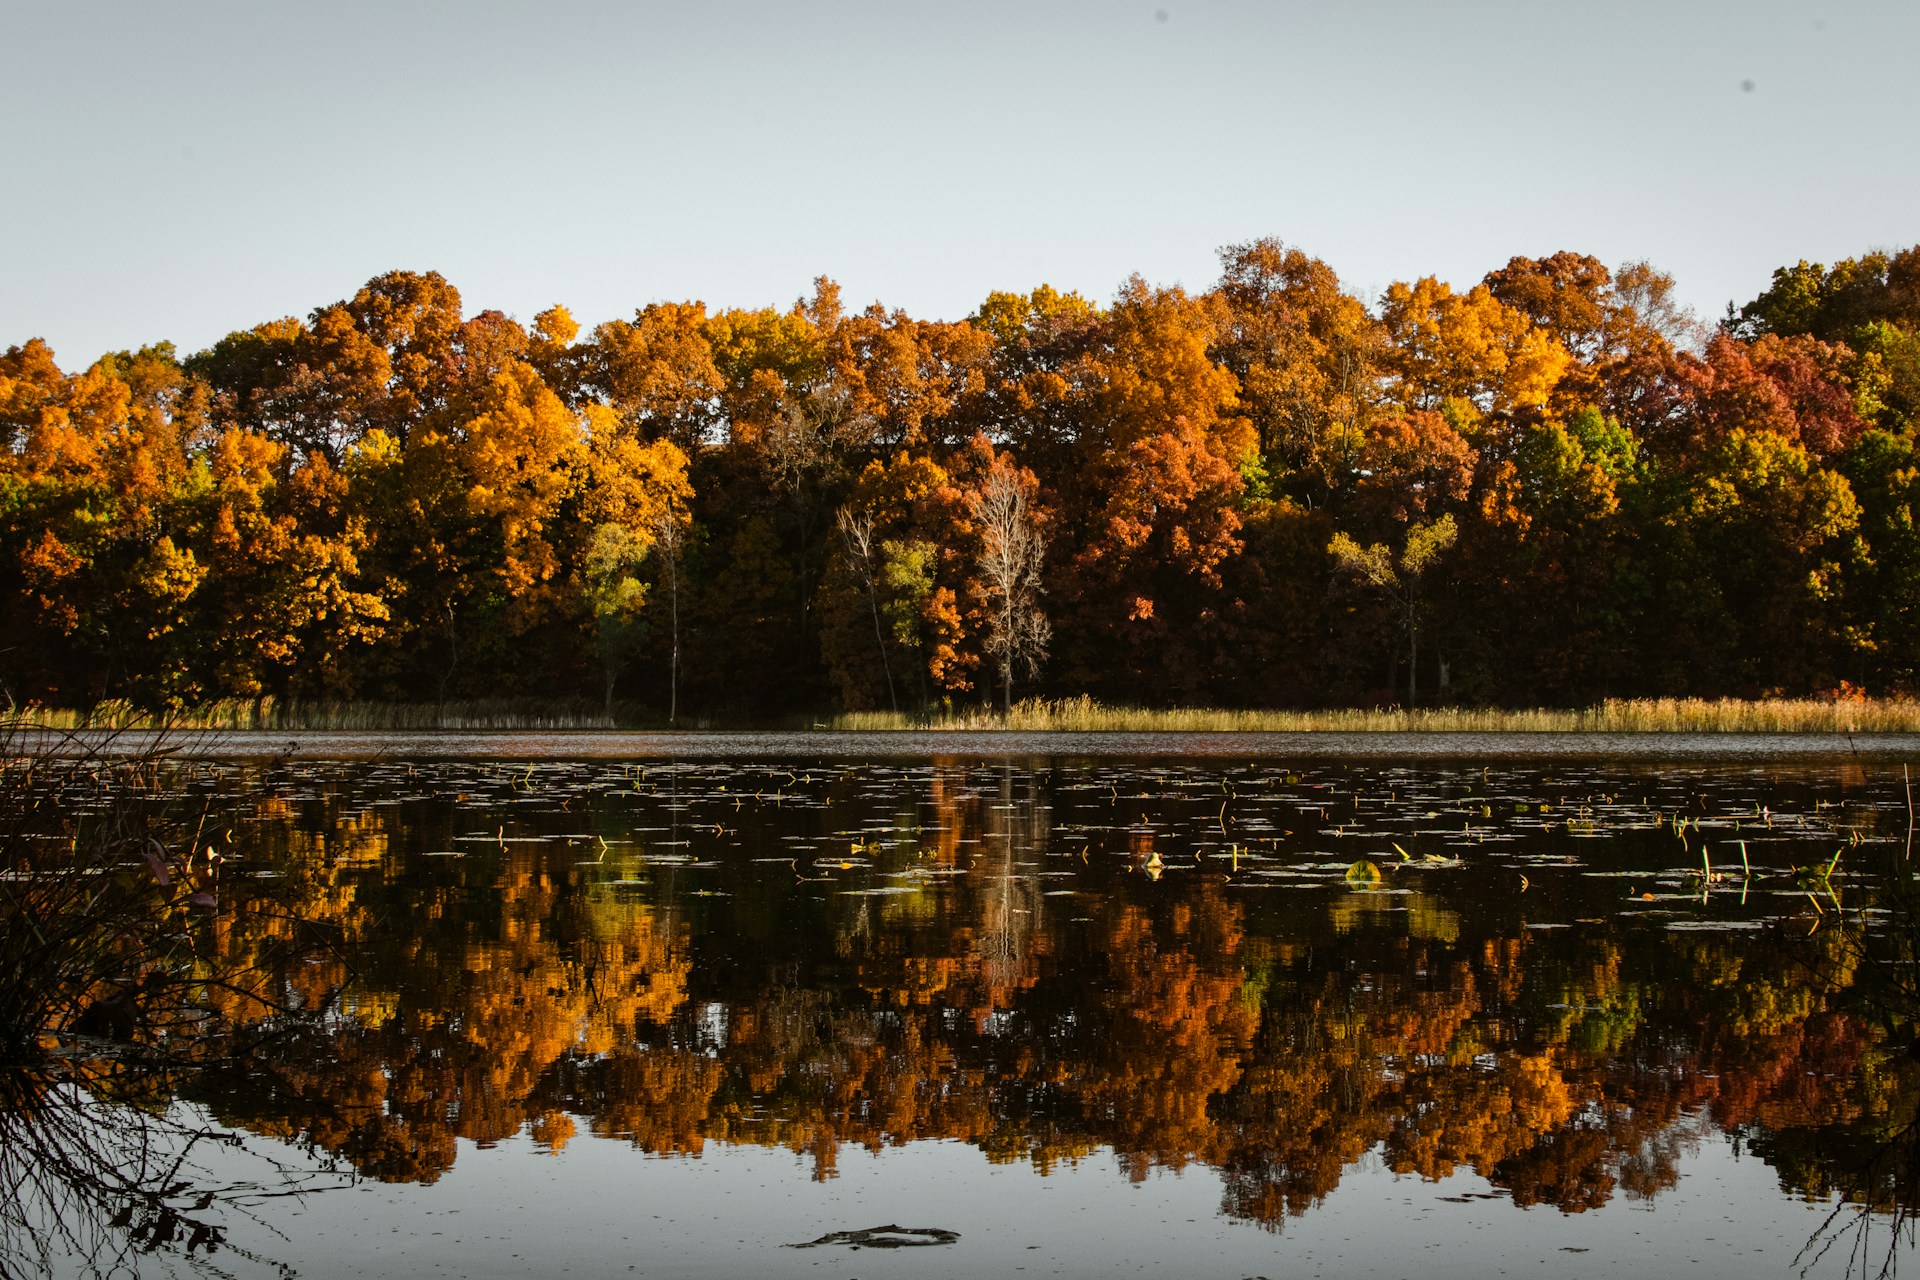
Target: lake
[{"x": 674, "y": 1005}]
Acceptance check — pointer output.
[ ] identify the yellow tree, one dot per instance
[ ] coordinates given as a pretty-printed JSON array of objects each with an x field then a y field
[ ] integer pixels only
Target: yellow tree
[
  {"x": 1160, "y": 369},
  {"x": 910, "y": 377},
  {"x": 1469, "y": 347},
  {"x": 1043, "y": 377},
  {"x": 93, "y": 483},
  {"x": 521, "y": 451},
  {"x": 1306, "y": 353},
  {"x": 635, "y": 508},
  {"x": 284, "y": 590},
  {"x": 658, "y": 372}
]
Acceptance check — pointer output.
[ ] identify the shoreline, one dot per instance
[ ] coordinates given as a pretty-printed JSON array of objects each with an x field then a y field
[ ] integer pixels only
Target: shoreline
[{"x": 1642, "y": 746}]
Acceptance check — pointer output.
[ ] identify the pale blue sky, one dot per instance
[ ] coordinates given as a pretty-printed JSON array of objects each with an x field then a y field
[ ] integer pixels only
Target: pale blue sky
[{"x": 179, "y": 170}]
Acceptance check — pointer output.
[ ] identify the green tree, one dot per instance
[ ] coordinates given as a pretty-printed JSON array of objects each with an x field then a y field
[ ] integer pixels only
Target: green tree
[{"x": 1399, "y": 577}]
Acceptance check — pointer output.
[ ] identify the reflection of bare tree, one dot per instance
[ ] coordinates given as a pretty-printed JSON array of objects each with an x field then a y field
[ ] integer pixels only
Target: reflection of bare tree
[
  {"x": 1877, "y": 1192},
  {"x": 95, "y": 1185},
  {"x": 115, "y": 993},
  {"x": 1011, "y": 916},
  {"x": 1877, "y": 1211}
]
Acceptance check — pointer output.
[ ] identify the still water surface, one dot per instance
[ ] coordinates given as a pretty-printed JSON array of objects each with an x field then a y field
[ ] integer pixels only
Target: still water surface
[{"x": 1222, "y": 1015}]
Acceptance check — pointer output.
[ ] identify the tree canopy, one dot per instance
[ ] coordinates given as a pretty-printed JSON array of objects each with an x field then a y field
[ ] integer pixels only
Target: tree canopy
[{"x": 750, "y": 514}]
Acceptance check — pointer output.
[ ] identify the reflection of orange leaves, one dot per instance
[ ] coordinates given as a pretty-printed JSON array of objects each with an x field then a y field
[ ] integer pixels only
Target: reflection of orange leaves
[
  {"x": 1801, "y": 1075},
  {"x": 1178, "y": 1040},
  {"x": 1174, "y": 1027},
  {"x": 1467, "y": 1116},
  {"x": 1500, "y": 965},
  {"x": 551, "y": 1131},
  {"x": 659, "y": 1100},
  {"x": 1570, "y": 1168}
]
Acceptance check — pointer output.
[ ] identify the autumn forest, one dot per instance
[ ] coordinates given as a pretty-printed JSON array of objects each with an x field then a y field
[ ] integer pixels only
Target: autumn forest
[{"x": 1546, "y": 487}]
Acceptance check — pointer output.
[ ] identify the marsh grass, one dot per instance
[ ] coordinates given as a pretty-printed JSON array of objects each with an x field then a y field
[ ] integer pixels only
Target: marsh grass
[
  {"x": 1640, "y": 715},
  {"x": 92, "y": 909},
  {"x": 115, "y": 890},
  {"x": 112, "y": 884},
  {"x": 1074, "y": 715},
  {"x": 364, "y": 717}
]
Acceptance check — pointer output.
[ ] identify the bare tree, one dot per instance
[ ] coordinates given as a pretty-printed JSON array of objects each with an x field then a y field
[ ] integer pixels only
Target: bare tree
[
  {"x": 807, "y": 447},
  {"x": 1011, "y": 553}
]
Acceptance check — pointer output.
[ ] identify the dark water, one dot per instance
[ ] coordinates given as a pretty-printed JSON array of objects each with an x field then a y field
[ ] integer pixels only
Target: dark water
[{"x": 1201, "y": 1016}]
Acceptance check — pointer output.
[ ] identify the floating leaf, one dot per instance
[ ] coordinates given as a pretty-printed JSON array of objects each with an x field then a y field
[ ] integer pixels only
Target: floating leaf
[{"x": 1363, "y": 873}]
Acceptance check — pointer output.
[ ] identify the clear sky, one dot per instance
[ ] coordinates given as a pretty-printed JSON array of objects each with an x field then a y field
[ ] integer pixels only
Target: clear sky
[{"x": 178, "y": 170}]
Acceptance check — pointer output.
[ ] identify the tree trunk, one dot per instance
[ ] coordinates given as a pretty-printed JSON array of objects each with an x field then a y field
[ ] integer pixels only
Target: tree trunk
[
  {"x": 673, "y": 671},
  {"x": 453, "y": 659},
  {"x": 880, "y": 640},
  {"x": 1413, "y": 660},
  {"x": 1006, "y": 685}
]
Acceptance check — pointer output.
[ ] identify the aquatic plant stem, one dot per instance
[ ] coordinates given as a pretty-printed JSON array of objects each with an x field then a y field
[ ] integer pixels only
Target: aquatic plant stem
[{"x": 1907, "y": 777}]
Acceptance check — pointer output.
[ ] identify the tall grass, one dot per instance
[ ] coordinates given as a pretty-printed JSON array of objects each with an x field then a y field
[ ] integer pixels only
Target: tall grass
[
  {"x": 1616, "y": 715},
  {"x": 115, "y": 984},
  {"x": 365, "y": 717},
  {"x": 1082, "y": 715}
]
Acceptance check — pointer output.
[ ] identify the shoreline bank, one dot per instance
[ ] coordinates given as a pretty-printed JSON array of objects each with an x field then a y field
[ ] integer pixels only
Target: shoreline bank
[{"x": 875, "y": 744}]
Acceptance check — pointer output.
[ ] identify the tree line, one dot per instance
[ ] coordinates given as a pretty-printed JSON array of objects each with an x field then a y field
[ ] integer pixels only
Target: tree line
[{"x": 1551, "y": 487}]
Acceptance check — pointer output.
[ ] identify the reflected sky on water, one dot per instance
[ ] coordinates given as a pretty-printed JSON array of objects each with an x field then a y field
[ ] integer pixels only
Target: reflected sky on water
[{"x": 596, "y": 1209}]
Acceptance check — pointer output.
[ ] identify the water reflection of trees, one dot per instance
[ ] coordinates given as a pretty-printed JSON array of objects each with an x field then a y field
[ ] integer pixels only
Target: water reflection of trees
[
  {"x": 1042, "y": 1017},
  {"x": 118, "y": 983}
]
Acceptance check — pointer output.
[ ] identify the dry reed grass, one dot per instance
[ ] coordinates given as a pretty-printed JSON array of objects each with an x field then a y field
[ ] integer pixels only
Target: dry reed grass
[
  {"x": 363, "y": 717},
  {"x": 1617, "y": 715},
  {"x": 1077, "y": 715}
]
